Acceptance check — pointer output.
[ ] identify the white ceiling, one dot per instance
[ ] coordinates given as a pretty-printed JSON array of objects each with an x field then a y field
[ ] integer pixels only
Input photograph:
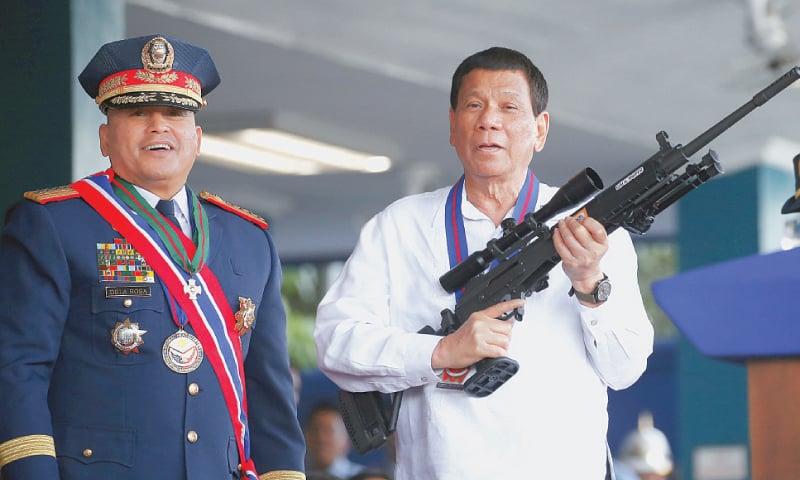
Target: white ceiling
[{"x": 375, "y": 76}]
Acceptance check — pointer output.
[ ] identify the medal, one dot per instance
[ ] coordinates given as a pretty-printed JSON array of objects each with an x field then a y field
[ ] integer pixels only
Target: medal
[
  {"x": 182, "y": 352},
  {"x": 192, "y": 289},
  {"x": 246, "y": 316},
  {"x": 127, "y": 337}
]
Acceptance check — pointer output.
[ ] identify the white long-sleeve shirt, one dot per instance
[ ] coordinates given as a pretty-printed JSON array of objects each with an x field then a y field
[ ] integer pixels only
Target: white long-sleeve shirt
[{"x": 549, "y": 420}]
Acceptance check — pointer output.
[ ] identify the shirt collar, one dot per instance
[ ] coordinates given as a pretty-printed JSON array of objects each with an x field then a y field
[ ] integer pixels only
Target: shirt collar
[
  {"x": 471, "y": 212},
  {"x": 181, "y": 200}
]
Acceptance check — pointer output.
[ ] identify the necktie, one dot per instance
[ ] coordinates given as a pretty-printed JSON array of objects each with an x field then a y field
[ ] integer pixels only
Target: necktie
[{"x": 167, "y": 208}]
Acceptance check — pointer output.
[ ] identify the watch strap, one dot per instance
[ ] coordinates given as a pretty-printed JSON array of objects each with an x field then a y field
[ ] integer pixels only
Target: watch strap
[{"x": 589, "y": 297}]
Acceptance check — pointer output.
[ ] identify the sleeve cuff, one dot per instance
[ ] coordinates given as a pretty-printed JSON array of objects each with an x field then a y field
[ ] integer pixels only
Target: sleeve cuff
[
  {"x": 418, "y": 359},
  {"x": 283, "y": 475},
  {"x": 27, "y": 446}
]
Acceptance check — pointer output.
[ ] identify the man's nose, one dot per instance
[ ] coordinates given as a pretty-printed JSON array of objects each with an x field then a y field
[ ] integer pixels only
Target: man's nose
[
  {"x": 490, "y": 119},
  {"x": 158, "y": 122}
]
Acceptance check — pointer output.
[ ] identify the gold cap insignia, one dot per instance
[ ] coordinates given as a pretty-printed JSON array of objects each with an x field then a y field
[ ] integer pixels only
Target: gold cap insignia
[{"x": 158, "y": 55}]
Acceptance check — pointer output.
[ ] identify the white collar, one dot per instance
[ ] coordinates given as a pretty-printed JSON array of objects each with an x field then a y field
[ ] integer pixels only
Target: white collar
[{"x": 181, "y": 203}]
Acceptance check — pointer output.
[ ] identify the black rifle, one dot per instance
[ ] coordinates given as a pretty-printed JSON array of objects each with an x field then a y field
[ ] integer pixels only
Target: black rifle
[
  {"x": 525, "y": 254},
  {"x": 371, "y": 417}
]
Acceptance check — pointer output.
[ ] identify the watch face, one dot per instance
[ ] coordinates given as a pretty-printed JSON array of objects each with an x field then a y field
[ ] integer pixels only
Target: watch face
[{"x": 603, "y": 291}]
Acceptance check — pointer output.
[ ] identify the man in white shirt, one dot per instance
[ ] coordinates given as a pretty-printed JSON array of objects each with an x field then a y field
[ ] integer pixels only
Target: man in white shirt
[{"x": 549, "y": 420}]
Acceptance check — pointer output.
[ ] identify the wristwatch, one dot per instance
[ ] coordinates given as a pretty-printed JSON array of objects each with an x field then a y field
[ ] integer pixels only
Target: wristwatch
[{"x": 600, "y": 293}]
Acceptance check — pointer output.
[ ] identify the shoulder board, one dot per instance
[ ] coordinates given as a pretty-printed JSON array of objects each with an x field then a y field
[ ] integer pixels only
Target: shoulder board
[
  {"x": 246, "y": 214},
  {"x": 54, "y": 194}
]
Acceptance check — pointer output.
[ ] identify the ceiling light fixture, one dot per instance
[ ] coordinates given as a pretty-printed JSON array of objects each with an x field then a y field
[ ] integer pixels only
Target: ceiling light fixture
[{"x": 284, "y": 153}]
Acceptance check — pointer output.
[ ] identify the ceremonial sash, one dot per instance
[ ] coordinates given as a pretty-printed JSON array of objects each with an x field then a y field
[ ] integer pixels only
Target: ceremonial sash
[
  {"x": 209, "y": 314},
  {"x": 457, "y": 247}
]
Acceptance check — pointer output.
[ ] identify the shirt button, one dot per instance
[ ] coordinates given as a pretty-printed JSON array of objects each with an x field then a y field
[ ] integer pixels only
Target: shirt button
[
  {"x": 194, "y": 389},
  {"x": 594, "y": 323},
  {"x": 191, "y": 436},
  {"x": 87, "y": 452},
  {"x": 127, "y": 303}
]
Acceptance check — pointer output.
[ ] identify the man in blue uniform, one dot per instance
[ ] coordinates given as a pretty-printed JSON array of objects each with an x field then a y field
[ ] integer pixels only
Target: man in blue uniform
[{"x": 143, "y": 330}]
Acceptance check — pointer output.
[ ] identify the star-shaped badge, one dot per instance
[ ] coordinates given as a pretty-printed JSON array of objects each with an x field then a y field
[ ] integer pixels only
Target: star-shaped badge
[{"x": 127, "y": 337}]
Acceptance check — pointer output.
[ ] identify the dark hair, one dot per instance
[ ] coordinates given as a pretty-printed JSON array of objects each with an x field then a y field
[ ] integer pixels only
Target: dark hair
[
  {"x": 369, "y": 473},
  {"x": 320, "y": 475},
  {"x": 501, "y": 58},
  {"x": 324, "y": 405}
]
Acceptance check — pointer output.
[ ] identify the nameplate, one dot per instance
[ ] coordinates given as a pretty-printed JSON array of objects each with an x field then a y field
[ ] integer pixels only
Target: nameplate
[{"x": 131, "y": 291}]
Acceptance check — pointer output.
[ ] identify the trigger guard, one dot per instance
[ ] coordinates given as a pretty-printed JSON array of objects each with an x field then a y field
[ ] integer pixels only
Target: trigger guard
[{"x": 517, "y": 314}]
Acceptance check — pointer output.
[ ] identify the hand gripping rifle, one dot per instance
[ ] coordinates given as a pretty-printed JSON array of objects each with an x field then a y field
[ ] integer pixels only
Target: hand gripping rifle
[{"x": 525, "y": 254}]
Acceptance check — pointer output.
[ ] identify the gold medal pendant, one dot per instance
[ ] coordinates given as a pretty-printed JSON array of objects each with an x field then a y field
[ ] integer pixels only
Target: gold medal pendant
[{"x": 182, "y": 352}]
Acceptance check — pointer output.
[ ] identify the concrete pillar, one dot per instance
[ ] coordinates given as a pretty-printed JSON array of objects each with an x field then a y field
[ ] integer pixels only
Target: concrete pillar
[{"x": 50, "y": 124}]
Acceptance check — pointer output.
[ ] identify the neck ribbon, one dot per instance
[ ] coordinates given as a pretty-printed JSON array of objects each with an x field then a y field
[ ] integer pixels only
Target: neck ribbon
[
  {"x": 457, "y": 248},
  {"x": 190, "y": 254}
]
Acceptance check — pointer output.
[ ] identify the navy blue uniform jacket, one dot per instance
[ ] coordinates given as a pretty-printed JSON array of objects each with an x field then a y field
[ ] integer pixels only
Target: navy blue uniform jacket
[{"x": 117, "y": 416}]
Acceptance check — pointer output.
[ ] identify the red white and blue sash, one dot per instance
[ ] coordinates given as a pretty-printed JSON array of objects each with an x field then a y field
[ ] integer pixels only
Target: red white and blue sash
[{"x": 210, "y": 314}]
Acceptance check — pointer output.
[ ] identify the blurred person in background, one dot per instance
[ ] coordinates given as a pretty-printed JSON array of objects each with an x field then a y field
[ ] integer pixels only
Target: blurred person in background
[
  {"x": 328, "y": 443},
  {"x": 645, "y": 453},
  {"x": 371, "y": 474}
]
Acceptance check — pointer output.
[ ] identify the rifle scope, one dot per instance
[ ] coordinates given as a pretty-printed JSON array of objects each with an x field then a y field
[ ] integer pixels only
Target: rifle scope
[{"x": 574, "y": 191}]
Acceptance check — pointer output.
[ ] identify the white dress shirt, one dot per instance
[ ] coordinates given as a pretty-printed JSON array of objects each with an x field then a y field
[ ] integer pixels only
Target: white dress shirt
[{"x": 549, "y": 420}]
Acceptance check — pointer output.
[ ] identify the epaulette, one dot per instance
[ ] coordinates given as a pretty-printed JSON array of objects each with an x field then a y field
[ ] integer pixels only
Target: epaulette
[
  {"x": 53, "y": 194},
  {"x": 246, "y": 214}
]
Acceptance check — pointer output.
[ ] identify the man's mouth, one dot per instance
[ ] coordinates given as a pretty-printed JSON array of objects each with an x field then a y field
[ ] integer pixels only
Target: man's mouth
[
  {"x": 157, "y": 146},
  {"x": 489, "y": 147}
]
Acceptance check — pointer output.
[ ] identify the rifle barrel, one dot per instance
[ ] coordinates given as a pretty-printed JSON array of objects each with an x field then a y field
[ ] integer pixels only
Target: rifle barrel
[{"x": 758, "y": 99}]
